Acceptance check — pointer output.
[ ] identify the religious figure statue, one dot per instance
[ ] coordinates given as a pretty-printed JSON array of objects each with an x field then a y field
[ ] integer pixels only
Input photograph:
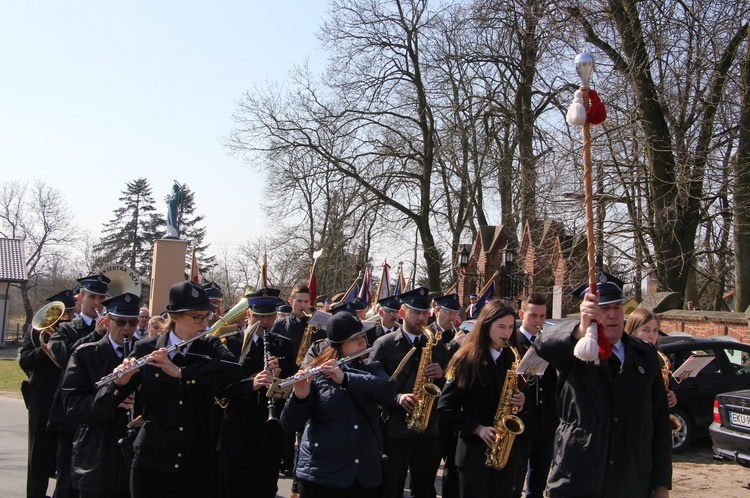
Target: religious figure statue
[{"x": 173, "y": 223}]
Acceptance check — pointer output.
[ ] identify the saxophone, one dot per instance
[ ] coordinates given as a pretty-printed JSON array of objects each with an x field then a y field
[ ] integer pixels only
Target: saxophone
[
  {"x": 426, "y": 392},
  {"x": 507, "y": 424},
  {"x": 666, "y": 371},
  {"x": 306, "y": 341}
]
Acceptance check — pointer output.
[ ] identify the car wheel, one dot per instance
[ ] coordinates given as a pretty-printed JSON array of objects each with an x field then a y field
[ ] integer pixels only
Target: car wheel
[{"x": 681, "y": 437}]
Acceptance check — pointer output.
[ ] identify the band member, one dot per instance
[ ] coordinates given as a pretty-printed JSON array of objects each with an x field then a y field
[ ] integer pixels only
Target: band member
[
  {"x": 44, "y": 376},
  {"x": 471, "y": 398},
  {"x": 644, "y": 325},
  {"x": 339, "y": 454},
  {"x": 447, "y": 311},
  {"x": 216, "y": 297},
  {"x": 614, "y": 437},
  {"x": 388, "y": 308},
  {"x": 176, "y": 390},
  {"x": 293, "y": 326},
  {"x": 141, "y": 331},
  {"x": 250, "y": 438},
  {"x": 283, "y": 311},
  {"x": 156, "y": 326},
  {"x": 409, "y": 450},
  {"x": 472, "y": 311},
  {"x": 85, "y": 327},
  {"x": 540, "y": 414},
  {"x": 99, "y": 469}
]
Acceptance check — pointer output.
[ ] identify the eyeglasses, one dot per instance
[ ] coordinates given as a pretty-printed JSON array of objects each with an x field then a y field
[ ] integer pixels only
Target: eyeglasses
[
  {"x": 198, "y": 319},
  {"x": 121, "y": 322}
]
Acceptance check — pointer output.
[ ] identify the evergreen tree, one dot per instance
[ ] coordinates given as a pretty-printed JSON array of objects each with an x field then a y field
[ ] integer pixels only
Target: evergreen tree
[
  {"x": 128, "y": 238},
  {"x": 191, "y": 231}
]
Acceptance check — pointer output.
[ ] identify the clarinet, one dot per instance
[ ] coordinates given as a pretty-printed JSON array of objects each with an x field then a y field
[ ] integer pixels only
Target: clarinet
[
  {"x": 126, "y": 349},
  {"x": 272, "y": 419}
]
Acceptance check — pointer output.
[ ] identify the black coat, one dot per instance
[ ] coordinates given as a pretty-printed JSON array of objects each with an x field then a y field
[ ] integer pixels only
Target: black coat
[
  {"x": 244, "y": 430},
  {"x": 465, "y": 409},
  {"x": 98, "y": 464},
  {"x": 62, "y": 343},
  {"x": 377, "y": 331},
  {"x": 389, "y": 350},
  {"x": 540, "y": 414},
  {"x": 341, "y": 440},
  {"x": 293, "y": 330},
  {"x": 614, "y": 438},
  {"x": 178, "y": 433}
]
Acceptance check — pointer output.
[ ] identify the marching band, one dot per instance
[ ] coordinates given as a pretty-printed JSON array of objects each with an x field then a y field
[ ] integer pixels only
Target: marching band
[{"x": 208, "y": 409}]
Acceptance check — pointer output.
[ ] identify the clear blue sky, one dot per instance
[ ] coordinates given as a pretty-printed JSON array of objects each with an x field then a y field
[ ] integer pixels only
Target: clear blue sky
[{"x": 94, "y": 94}]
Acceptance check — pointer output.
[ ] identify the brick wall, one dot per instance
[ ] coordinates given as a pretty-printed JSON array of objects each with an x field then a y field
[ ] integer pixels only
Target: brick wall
[{"x": 706, "y": 323}]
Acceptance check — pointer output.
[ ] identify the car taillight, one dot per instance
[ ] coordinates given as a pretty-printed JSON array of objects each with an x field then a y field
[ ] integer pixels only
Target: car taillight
[{"x": 717, "y": 415}]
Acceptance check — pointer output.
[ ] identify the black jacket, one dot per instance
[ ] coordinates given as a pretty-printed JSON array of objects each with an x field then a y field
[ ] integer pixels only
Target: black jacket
[
  {"x": 98, "y": 464},
  {"x": 614, "y": 438},
  {"x": 178, "y": 413},
  {"x": 540, "y": 414},
  {"x": 466, "y": 408},
  {"x": 389, "y": 350},
  {"x": 341, "y": 440},
  {"x": 244, "y": 430},
  {"x": 294, "y": 331}
]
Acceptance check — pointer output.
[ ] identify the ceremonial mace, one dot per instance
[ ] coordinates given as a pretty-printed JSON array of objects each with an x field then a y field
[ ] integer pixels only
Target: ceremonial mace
[{"x": 594, "y": 344}]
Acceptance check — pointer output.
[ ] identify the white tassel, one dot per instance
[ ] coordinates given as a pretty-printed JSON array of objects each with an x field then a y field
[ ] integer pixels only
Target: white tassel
[
  {"x": 587, "y": 348},
  {"x": 576, "y": 115}
]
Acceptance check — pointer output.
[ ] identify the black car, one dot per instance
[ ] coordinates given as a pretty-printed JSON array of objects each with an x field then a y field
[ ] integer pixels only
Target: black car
[
  {"x": 730, "y": 430},
  {"x": 728, "y": 371}
]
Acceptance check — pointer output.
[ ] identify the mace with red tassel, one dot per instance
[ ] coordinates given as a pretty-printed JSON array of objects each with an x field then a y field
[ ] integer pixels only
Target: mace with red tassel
[{"x": 587, "y": 109}]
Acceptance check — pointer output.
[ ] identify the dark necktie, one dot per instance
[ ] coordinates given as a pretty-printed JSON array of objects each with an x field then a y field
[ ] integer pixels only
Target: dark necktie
[
  {"x": 120, "y": 351},
  {"x": 614, "y": 364},
  {"x": 533, "y": 337}
]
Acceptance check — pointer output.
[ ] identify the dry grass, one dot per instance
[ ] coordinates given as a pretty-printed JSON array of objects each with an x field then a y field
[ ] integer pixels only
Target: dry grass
[{"x": 11, "y": 376}]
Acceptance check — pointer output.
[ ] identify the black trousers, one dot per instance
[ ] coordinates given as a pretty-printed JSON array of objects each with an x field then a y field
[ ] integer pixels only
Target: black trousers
[
  {"x": 308, "y": 489},
  {"x": 535, "y": 459},
  {"x": 485, "y": 482},
  {"x": 420, "y": 456},
  {"x": 450, "y": 472},
  {"x": 146, "y": 483},
  {"x": 42, "y": 448},
  {"x": 242, "y": 473},
  {"x": 64, "y": 486}
]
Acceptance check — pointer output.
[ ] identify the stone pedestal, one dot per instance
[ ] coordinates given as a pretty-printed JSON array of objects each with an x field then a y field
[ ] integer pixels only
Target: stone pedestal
[{"x": 167, "y": 269}]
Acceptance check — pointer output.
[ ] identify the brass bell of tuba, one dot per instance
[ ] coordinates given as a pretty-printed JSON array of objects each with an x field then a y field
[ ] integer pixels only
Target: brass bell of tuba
[{"x": 44, "y": 321}]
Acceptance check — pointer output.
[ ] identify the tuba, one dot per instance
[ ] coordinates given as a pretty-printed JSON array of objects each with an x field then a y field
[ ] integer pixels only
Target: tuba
[
  {"x": 507, "y": 424},
  {"x": 122, "y": 279},
  {"x": 666, "y": 371},
  {"x": 425, "y": 391},
  {"x": 44, "y": 321}
]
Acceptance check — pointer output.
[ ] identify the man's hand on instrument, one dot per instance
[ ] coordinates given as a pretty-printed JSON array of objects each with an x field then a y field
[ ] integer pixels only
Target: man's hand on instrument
[
  {"x": 433, "y": 371},
  {"x": 407, "y": 401},
  {"x": 273, "y": 364},
  {"x": 264, "y": 378},
  {"x": 459, "y": 337},
  {"x": 102, "y": 325},
  {"x": 518, "y": 399},
  {"x": 160, "y": 359},
  {"x": 128, "y": 402}
]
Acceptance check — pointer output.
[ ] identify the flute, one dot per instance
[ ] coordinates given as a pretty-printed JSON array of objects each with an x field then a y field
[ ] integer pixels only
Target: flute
[
  {"x": 318, "y": 370},
  {"x": 143, "y": 360}
]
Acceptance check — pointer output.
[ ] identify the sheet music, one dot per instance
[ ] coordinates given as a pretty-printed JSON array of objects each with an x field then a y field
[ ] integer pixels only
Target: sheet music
[
  {"x": 319, "y": 319},
  {"x": 532, "y": 364},
  {"x": 692, "y": 366}
]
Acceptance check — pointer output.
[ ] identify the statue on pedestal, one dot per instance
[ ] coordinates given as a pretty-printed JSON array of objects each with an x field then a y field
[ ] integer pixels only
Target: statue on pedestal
[{"x": 173, "y": 223}]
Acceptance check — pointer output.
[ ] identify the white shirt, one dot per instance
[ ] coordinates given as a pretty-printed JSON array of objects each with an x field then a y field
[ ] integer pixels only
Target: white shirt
[
  {"x": 496, "y": 354},
  {"x": 174, "y": 341},
  {"x": 619, "y": 351}
]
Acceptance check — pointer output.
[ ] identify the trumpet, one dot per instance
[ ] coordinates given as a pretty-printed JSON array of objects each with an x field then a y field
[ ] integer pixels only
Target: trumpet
[
  {"x": 44, "y": 321},
  {"x": 229, "y": 317},
  {"x": 319, "y": 370}
]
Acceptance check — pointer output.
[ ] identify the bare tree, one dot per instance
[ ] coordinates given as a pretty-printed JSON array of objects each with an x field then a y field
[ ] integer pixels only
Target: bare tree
[{"x": 39, "y": 215}]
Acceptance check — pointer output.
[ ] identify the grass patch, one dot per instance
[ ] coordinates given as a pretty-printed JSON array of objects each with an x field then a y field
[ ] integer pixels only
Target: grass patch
[{"x": 11, "y": 376}]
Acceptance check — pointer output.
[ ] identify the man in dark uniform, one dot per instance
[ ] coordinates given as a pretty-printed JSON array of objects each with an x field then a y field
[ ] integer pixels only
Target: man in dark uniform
[
  {"x": 85, "y": 327},
  {"x": 472, "y": 311},
  {"x": 447, "y": 310},
  {"x": 44, "y": 377},
  {"x": 540, "y": 415},
  {"x": 614, "y": 437},
  {"x": 388, "y": 309},
  {"x": 215, "y": 297},
  {"x": 293, "y": 326},
  {"x": 141, "y": 331},
  {"x": 409, "y": 450},
  {"x": 250, "y": 438},
  {"x": 99, "y": 469}
]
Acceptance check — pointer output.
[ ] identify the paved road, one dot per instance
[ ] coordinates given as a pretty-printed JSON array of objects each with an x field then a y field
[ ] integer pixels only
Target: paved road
[{"x": 13, "y": 451}]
